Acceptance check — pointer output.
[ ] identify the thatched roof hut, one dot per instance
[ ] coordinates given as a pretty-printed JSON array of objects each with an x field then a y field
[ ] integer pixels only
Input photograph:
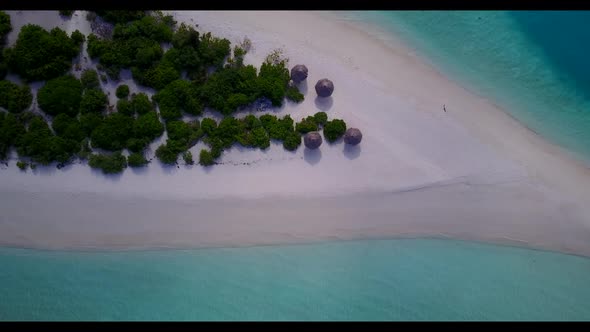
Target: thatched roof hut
[
  {"x": 298, "y": 73},
  {"x": 324, "y": 87},
  {"x": 312, "y": 140},
  {"x": 353, "y": 136}
]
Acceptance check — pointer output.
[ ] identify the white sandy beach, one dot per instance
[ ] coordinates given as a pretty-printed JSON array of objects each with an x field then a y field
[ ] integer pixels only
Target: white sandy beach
[{"x": 470, "y": 173}]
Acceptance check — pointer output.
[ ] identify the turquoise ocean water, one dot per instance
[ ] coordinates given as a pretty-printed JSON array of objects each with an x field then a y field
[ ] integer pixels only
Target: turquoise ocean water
[
  {"x": 531, "y": 63},
  {"x": 357, "y": 280}
]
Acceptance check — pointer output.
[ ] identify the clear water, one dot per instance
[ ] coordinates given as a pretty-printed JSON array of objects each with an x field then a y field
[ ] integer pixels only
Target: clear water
[
  {"x": 357, "y": 280},
  {"x": 532, "y": 63}
]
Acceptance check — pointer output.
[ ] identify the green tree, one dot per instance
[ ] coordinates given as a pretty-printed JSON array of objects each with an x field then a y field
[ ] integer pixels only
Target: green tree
[
  {"x": 251, "y": 122},
  {"x": 141, "y": 104},
  {"x": 15, "y": 98},
  {"x": 168, "y": 153},
  {"x": 43, "y": 147},
  {"x": 93, "y": 101},
  {"x": 39, "y": 54},
  {"x": 90, "y": 121},
  {"x": 122, "y": 91},
  {"x": 158, "y": 75},
  {"x": 137, "y": 144},
  {"x": 260, "y": 138},
  {"x": 148, "y": 126},
  {"x": 68, "y": 128},
  {"x": 306, "y": 125},
  {"x": 208, "y": 125},
  {"x": 293, "y": 94},
  {"x": 5, "y": 26},
  {"x": 136, "y": 160},
  {"x": 124, "y": 107},
  {"x": 320, "y": 118},
  {"x": 78, "y": 38},
  {"x": 22, "y": 165},
  {"x": 179, "y": 131},
  {"x": 11, "y": 132},
  {"x": 61, "y": 95},
  {"x": 89, "y": 79},
  {"x": 334, "y": 129},
  {"x": 113, "y": 133},
  {"x": 177, "y": 97},
  {"x": 188, "y": 158},
  {"x": 206, "y": 158},
  {"x": 112, "y": 164},
  {"x": 292, "y": 141}
]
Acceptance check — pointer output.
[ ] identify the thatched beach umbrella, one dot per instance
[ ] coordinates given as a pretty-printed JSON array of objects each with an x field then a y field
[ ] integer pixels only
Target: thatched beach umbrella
[
  {"x": 299, "y": 73},
  {"x": 353, "y": 136},
  {"x": 324, "y": 87},
  {"x": 312, "y": 140}
]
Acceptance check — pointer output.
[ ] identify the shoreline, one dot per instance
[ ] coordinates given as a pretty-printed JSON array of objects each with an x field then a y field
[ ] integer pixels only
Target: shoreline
[
  {"x": 144, "y": 249},
  {"x": 493, "y": 156},
  {"x": 238, "y": 222}
]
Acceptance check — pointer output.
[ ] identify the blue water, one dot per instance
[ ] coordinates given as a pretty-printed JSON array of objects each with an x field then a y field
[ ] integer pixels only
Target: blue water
[
  {"x": 531, "y": 63},
  {"x": 357, "y": 280}
]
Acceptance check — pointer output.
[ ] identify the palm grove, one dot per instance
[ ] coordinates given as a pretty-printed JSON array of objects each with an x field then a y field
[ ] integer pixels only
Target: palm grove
[{"x": 197, "y": 71}]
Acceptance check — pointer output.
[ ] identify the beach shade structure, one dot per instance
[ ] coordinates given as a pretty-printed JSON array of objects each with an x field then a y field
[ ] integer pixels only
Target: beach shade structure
[
  {"x": 324, "y": 87},
  {"x": 353, "y": 136},
  {"x": 312, "y": 140},
  {"x": 298, "y": 73}
]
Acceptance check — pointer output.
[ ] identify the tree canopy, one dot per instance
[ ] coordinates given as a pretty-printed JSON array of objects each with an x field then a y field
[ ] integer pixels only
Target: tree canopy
[
  {"x": 198, "y": 71},
  {"x": 89, "y": 79},
  {"x": 15, "y": 98},
  {"x": 109, "y": 164},
  {"x": 334, "y": 129},
  {"x": 61, "y": 95},
  {"x": 39, "y": 54}
]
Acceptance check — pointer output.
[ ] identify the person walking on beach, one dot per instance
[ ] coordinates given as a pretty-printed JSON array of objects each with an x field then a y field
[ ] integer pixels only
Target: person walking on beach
[{"x": 444, "y": 108}]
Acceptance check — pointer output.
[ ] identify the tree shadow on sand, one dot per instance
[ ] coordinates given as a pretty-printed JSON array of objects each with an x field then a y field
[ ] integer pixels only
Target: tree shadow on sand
[
  {"x": 352, "y": 151},
  {"x": 312, "y": 157},
  {"x": 302, "y": 86},
  {"x": 324, "y": 104},
  {"x": 111, "y": 177},
  {"x": 139, "y": 170}
]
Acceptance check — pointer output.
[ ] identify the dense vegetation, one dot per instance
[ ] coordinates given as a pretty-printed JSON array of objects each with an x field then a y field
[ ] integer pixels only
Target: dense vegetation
[
  {"x": 181, "y": 137},
  {"x": 43, "y": 147},
  {"x": 236, "y": 86},
  {"x": 89, "y": 79},
  {"x": 61, "y": 95},
  {"x": 15, "y": 98},
  {"x": 178, "y": 96},
  {"x": 122, "y": 91},
  {"x": 5, "y": 28},
  {"x": 188, "y": 158},
  {"x": 5, "y": 25},
  {"x": 39, "y": 54},
  {"x": 135, "y": 45},
  {"x": 11, "y": 131},
  {"x": 250, "y": 131},
  {"x": 22, "y": 165},
  {"x": 93, "y": 101},
  {"x": 109, "y": 164},
  {"x": 334, "y": 129},
  {"x": 136, "y": 159},
  {"x": 197, "y": 72}
]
